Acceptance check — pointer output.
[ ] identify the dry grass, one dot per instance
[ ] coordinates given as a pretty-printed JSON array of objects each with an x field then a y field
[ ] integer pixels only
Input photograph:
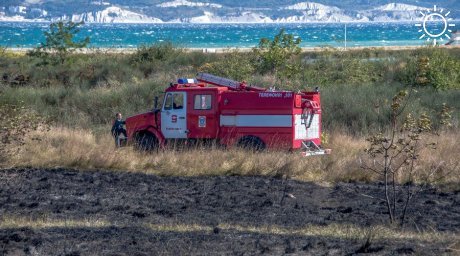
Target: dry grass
[
  {"x": 63, "y": 147},
  {"x": 444, "y": 159},
  {"x": 45, "y": 222},
  {"x": 337, "y": 231}
]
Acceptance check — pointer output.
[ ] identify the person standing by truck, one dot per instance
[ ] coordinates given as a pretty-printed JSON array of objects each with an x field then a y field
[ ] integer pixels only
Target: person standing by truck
[{"x": 117, "y": 129}]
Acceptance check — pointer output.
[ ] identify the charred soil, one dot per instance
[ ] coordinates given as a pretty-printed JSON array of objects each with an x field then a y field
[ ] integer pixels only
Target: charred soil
[{"x": 141, "y": 214}]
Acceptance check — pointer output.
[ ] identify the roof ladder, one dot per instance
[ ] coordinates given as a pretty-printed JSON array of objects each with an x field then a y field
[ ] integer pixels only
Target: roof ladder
[{"x": 218, "y": 81}]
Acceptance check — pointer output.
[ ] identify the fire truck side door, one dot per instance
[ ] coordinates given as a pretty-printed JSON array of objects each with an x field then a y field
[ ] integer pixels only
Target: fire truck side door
[
  {"x": 202, "y": 119},
  {"x": 174, "y": 115}
]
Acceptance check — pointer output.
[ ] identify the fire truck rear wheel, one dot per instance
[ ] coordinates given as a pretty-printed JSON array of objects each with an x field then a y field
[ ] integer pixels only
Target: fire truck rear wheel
[
  {"x": 146, "y": 142},
  {"x": 251, "y": 143}
]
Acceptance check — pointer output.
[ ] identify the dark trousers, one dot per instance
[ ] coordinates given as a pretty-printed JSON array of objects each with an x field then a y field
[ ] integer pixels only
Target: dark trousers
[
  {"x": 119, "y": 142},
  {"x": 122, "y": 131}
]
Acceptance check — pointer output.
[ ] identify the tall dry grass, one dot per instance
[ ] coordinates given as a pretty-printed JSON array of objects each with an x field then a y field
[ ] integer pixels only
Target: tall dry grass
[
  {"x": 336, "y": 230},
  {"x": 442, "y": 161},
  {"x": 77, "y": 148}
]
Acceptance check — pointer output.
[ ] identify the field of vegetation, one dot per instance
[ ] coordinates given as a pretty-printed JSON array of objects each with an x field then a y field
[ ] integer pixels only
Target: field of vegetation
[{"x": 76, "y": 95}]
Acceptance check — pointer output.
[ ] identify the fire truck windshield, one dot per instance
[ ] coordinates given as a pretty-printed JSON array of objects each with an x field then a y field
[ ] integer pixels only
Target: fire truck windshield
[
  {"x": 168, "y": 102},
  {"x": 178, "y": 101}
]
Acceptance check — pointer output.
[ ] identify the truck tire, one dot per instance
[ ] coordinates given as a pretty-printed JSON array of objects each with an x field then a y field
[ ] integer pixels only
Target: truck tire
[
  {"x": 146, "y": 142},
  {"x": 252, "y": 143}
]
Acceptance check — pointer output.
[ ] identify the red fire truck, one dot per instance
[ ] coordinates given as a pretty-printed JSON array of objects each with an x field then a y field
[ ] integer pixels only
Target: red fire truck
[{"x": 232, "y": 114}]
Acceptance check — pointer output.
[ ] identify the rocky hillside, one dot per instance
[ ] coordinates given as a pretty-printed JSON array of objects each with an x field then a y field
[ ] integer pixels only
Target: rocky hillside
[{"x": 219, "y": 11}]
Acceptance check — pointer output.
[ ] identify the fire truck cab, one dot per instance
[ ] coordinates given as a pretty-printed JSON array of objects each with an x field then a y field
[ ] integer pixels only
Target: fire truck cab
[{"x": 232, "y": 114}]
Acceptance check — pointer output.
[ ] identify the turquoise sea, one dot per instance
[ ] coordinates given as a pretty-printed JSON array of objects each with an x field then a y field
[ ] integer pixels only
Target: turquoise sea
[{"x": 23, "y": 34}]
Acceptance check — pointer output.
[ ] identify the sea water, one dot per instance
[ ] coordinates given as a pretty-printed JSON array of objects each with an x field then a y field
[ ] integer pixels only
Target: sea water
[{"x": 24, "y": 34}]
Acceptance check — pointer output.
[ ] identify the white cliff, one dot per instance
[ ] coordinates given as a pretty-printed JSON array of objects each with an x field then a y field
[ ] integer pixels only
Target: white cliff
[
  {"x": 311, "y": 6},
  {"x": 394, "y": 12},
  {"x": 244, "y": 17},
  {"x": 177, "y": 3},
  {"x": 399, "y": 7},
  {"x": 112, "y": 14},
  {"x": 301, "y": 12}
]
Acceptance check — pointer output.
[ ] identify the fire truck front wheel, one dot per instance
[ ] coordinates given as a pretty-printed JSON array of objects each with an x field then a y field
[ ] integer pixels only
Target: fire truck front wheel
[
  {"x": 146, "y": 142},
  {"x": 251, "y": 143}
]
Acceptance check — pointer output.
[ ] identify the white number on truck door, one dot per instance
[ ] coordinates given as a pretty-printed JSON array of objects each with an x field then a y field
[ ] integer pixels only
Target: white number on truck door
[{"x": 174, "y": 115}]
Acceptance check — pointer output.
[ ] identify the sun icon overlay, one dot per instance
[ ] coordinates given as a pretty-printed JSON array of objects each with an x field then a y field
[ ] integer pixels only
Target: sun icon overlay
[{"x": 431, "y": 16}]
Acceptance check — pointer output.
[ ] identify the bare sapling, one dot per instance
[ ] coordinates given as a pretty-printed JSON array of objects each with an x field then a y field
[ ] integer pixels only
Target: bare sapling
[{"x": 394, "y": 155}]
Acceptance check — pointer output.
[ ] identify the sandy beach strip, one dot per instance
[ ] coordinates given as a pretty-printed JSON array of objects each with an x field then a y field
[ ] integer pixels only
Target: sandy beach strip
[{"x": 107, "y": 50}]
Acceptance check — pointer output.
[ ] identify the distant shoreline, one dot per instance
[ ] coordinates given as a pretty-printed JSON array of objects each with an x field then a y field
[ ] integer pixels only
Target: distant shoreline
[
  {"x": 221, "y": 37},
  {"x": 222, "y": 23},
  {"x": 242, "y": 49}
]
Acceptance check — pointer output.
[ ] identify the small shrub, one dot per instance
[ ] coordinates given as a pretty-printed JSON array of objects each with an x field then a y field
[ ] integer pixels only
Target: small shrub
[
  {"x": 155, "y": 52},
  {"x": 2, "y": 51},
  {"x": 277, "y": 55},
  {"x": 435, "y": 67},
  {"x": 444, "y": 70},
  {"x": 396, "y": 153},
  {"x": 148, "y": 59},
  {"x": 59, "y": 42}
]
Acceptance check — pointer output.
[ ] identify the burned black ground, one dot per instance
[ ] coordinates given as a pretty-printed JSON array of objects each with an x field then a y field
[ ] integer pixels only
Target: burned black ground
[{"x": 134, "y": 202}]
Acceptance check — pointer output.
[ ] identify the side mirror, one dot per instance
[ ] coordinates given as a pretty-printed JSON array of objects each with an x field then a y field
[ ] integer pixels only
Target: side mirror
[{"x": 156, "y": 103}]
